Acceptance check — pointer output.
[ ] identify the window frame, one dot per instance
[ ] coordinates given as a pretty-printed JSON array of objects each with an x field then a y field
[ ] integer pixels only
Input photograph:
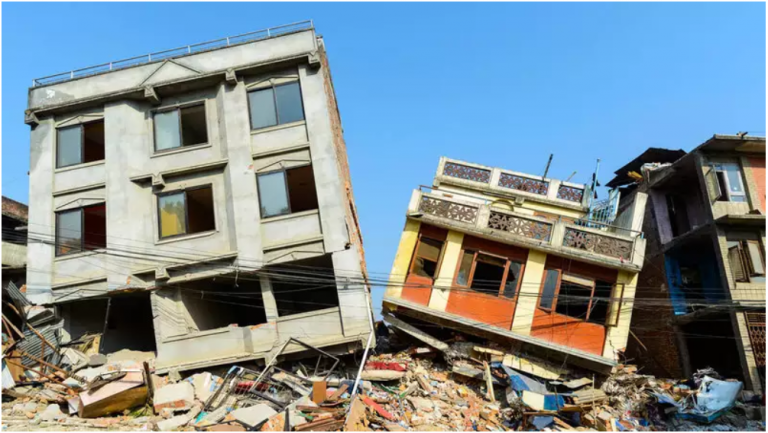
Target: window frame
[
  {"x": 414, "y": 256},
  {"x": 555, "y": 296},
  {"x": 273, "y": 86},
  {"x": 82, "y": 230},
  {"x": 745, "y": 261},
  {"x": 186, "y": 212},
  {"x": 285, "y": 185},
  {"x": 80, "y": 125},
  {"x": 179, "y": 107},
  {"x": 720, "y": 167},
  {"x": 471, "y": 276}
]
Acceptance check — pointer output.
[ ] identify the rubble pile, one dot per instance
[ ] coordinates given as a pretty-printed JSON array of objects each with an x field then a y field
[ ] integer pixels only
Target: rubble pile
[{"x": 462, "y": 386}]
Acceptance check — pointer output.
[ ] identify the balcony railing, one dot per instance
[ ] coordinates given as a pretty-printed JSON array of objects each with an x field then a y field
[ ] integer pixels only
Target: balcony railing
[
  {"x": 175, "y": 52},
  {"x": 502, "y": 181},
  {"x": 457, "y": 211}
]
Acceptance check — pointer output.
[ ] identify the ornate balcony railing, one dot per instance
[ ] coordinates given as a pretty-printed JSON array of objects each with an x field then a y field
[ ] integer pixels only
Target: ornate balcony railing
[
  {"x": 570, "y": 193},
  {"x": 520, "y": 183},
  {"x": 466, "y": 172},
  {"x": 446, "y": 209},
  {"x": 597, "y": 244},
  {"x": 529, "y": 228}
]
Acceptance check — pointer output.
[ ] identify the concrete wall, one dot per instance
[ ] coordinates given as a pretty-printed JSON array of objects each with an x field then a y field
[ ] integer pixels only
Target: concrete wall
[{"x": 132, "y": 174}]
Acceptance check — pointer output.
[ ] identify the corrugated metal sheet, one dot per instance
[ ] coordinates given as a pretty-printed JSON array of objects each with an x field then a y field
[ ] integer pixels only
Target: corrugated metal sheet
[
  {"x": 32, "y": 345},
  {"x": 18, "y": 298}
]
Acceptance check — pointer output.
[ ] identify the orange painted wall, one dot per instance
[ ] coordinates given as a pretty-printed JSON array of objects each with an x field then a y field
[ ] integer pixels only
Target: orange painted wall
[
  {"x": 758, "y": 174},
  {"x": 417, "y": 288},
  {"x": 481, "y": 307},
  {"x": 567, "y": 331}
]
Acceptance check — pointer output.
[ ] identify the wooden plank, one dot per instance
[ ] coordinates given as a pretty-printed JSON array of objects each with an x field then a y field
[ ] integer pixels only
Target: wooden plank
[
  {"x": 115, "y": 404},
  {"x": 534, "y": 368},
  {"x": 489, "y": 382},
  {"x": 375, "y": 406},
  {"x": 356, "y": 420},
  {"x": 339, "y": 392},
  {"x": 417, "y": 333},
  {"x": 319, "y": 391}
]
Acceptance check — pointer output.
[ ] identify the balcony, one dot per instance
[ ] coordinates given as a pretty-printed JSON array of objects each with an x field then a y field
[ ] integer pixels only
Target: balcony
[
  {"x": 611, "y": 246},
  {"x": 498, "y": 182}
]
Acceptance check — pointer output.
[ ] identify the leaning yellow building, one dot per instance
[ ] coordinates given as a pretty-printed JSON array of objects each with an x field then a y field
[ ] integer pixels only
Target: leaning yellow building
[{"x": 532, "y": 261}]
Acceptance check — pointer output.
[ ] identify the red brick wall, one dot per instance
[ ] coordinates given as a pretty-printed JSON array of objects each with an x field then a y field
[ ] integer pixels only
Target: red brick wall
[{"x": 758, "y": 175}]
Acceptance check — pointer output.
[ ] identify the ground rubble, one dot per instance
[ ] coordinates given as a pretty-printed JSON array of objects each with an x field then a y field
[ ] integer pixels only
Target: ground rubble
[{"x": 405, "y": 386}]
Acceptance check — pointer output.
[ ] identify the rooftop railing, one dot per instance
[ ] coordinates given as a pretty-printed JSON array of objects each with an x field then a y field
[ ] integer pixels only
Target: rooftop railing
[{"x": 175, "y": 52}]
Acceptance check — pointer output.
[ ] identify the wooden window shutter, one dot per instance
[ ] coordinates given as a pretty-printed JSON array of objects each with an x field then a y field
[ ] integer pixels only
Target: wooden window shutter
[
  {"x": 737, "y": 264},
  {"x": 754, "y": 258},
  {"x": 713, "y": 187}
]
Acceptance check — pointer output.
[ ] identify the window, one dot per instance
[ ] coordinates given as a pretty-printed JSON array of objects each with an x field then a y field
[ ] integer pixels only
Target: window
[
  {"x": 287, "y": 191},
  {"x": 489, "y": 274},
  {"x": 678, "y": 214},
  {"x": 578, "y": 297},
  {"x": 427, "y": 257},
  {"x": 180, "y": 127},
  {"x": 729, "y": 183},
  {"x": 275, "y": 105},
  {"x": 186, "y": 212},
  {"x": 747, "y": 261},
  {"x": 81, "y": 229},
  {"x": 80, "y": 144}
]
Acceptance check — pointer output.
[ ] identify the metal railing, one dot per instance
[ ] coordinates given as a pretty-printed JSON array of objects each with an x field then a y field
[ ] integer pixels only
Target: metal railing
[{"x": 176, "y": 52}]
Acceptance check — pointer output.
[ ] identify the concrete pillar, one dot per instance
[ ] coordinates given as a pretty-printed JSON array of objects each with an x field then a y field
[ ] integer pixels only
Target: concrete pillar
[
  {"x": 616, "y": 336},
  {"x": 403, "y": 258},
  {"x": 268, "y": 297},
  {"x": 448, "y": 265},
  {"x": 528, "y": 298},
  {"x": 240, "y": 180},
  {"x": 41, "y": 222},
  {"x": 353, "y": 295}
]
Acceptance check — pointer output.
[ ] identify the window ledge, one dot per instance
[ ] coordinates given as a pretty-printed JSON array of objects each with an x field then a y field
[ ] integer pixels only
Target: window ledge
[
  {"x": 79, "y": 255},
  {"x": 182, "y": 149},
  {"x": 278, "y": 127},
  {"x": 186, "y": 237},
  {"x": 77, "y": 166},
  {"x": 290, "y": 215}
]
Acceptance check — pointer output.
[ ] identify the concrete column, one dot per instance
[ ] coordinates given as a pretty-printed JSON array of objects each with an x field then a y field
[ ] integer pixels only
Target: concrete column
[
  {"x": 616, "y": 337},
  {"x": 268, "y": 297},
  {"x": 528, "y": 298},
  {"x": 41, "y": 222},
  {"x": 330, "y": 189},
  {"x": 554, "y": 185},
  {"x": 240, "y": 180},
  {"x": 353, "y": 295},
  {"x": 403, "y": 258},
  {"x": 449, "y": 263}
]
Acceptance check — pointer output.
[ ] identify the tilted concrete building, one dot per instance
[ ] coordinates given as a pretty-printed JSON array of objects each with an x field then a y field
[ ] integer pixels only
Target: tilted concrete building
[
  {"x": 15, "y": 216},
  {"x": 705, "y": 271},
  {"x": 198, "y": 201},
  {"x": 530, "y": 261}
]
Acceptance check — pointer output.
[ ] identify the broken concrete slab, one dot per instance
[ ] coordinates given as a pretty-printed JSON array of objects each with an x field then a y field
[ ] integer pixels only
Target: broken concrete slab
[
  {"x": 253, "y": 415},
  {"x": 179, "y": 421},
  {"x": 124, "y": 393},
  {"x": 382, "y": 375},
  {"x": 533, "y": 367},
  {"x": 52, "y": 413},
  {"x": 97, "y": 360},
  {"x": 204, "y": 384},
  {"x": 177, "y": 396}
]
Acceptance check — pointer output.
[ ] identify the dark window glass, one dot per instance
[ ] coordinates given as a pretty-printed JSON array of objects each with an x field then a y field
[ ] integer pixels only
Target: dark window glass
[
  {"x": 301, "y": 188},
  {"x": 573, "y": 300},
  {"x": 95, "y": 223},
  {"x": 276, "y": 105},
  {"x": 69, "y": 232},
  {"x": 186, "y": 212},
  {"x": 513, "y": 277},
  {"x": 489, "y": 272},
  {"x": 549, "y": 289},
  {"x": 93, "y": 141},
  {"x": 69, "y": 148},
  {"x": 465, "y": 268},
  {"x": 262, "y": 105},
  {"x": 427, "y": 255},
  {"x": 600, "y": 302},
  {"x": 193, "y": 126},
  {"x": 289, "y": 108}
]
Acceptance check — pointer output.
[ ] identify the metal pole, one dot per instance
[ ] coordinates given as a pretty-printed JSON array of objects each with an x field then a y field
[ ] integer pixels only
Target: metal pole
[
  {"x": 546, "y": 170},
  {"x": 362, "y": 365}
]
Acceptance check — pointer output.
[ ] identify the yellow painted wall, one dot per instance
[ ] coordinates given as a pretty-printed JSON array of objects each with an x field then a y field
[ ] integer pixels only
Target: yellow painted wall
[
  {"x": 448, "y": 266},
  {"x": 529, "y": 292},
  {"x": 541, "y": 207},
  {"x": 403, "y": 258},
  {"x": 616, "y": 337}
]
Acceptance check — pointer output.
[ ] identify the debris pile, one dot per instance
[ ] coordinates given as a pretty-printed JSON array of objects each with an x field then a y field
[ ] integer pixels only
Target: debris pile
[{"x": 452, "y": 385}]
